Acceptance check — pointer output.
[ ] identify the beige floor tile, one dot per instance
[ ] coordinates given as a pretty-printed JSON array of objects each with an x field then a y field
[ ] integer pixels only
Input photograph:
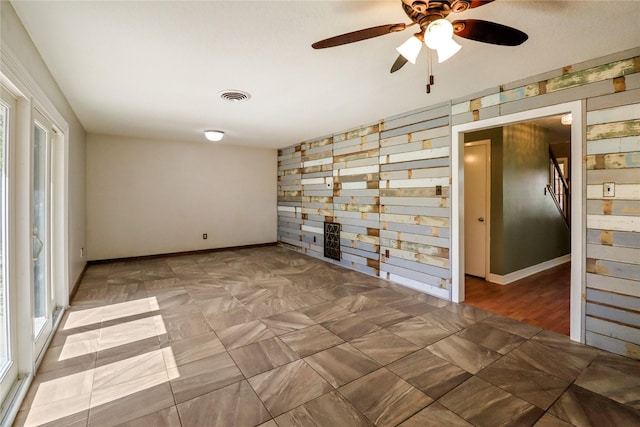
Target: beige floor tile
[
  {"x": 308, "y": 341},
  {"x": 288, "y": 386},
  {"x": 498, "y": 407},
  {"x": 287, "y": 322},
  {"x": 384, "y": 347},
  {"x": 190, "y": 349},
  {"x": 330, "y": 409},
  {"x": 430, "y": 374},
  {"x": 435, "y": 415},
  {"x": 114, "y": 407},
  {"x": 203, "y": 376},
  {"x": 130, "y": 369},
  {"x": 164, "y": 418},
  {"x": 385, "y": 399},
  {"x": 244, "y": 334},
  {"x": 418, "y": 331},
  {"x": 229, "y": 318},
  {"x": 468, "y": 355},
  {"x": 350, "y": 327},
  {"x": 234, "y": 405},
  {"x": 254, "y": 359},
  {"x": 73, "y": 411},
  {"x": 341, "y": 364}
]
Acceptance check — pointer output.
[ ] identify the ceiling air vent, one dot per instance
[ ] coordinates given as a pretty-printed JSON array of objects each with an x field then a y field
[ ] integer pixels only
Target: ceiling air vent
[{"x": 234, "y": 95}]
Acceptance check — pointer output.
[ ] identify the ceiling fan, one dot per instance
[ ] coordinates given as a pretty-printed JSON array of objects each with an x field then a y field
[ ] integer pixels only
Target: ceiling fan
[{"x": 435, "y": 31}]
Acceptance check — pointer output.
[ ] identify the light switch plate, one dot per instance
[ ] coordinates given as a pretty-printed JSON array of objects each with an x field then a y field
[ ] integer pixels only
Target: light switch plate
[{"x": 608, "y": 189}]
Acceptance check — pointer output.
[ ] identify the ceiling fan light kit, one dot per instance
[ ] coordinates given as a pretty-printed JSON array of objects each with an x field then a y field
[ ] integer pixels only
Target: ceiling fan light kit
[
  {"x": 436, "y": 31},
  {"x": 411, "y": 48},
  {"x": 439, "y": 37}
]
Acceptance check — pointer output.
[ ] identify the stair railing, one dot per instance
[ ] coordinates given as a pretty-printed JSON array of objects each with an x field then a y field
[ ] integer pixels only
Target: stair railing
[{"x": 558, "y": 188}]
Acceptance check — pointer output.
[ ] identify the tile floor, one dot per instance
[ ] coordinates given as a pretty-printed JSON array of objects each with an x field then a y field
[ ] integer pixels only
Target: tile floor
[{"x": 270, "y": 337}]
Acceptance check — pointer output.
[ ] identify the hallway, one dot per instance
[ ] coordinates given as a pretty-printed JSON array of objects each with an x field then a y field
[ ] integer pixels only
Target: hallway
[{"x": 541, "y": 299}]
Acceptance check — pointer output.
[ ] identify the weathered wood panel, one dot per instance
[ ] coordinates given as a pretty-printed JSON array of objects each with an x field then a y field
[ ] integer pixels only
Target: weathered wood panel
[
  {"x": 613, "y": 227},
  {"x": 414, "y": 160},
  {"x": 290, "y": 196},
  {"x": 317, "y": 193},
  {"x": 356, "y": 172}
]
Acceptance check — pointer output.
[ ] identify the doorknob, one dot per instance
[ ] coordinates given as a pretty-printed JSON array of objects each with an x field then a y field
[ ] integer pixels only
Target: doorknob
[{"x": 481, "y": 219}]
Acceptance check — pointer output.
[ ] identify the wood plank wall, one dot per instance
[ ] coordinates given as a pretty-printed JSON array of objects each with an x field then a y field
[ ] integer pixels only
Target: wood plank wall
[
  {"x": 613, "y": 229},
  {"x": 290, "y": 196},
  {"x": 356, "y": 172},
  {"x": 317, "y": 193},
  {"x": 610, "y": 87},
  {"x": 384, "y": 178},
  {"x": 414, "y": 235}
]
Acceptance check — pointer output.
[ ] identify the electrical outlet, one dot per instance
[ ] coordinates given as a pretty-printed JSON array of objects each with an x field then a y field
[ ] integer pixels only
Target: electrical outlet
[
  {"x": 608, "y": 189},
  {"x": 204, "y": 236},
  {"x": 438, "y": 190}
]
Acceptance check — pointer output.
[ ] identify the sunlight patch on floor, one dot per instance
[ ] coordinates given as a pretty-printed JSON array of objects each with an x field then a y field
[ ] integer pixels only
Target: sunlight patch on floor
[
  {"x": 112, "y": 336},
  {"x": 72, "y": 394},
  {"x": 92, "y": 316}
]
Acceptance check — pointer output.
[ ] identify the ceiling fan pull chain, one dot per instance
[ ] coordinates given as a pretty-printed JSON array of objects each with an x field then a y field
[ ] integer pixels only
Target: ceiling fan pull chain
[{"x": 431, "y": 78}]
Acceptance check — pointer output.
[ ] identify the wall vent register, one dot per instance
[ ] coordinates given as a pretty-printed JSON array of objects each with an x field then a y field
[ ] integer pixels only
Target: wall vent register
[{"x": 332, "y": 240}]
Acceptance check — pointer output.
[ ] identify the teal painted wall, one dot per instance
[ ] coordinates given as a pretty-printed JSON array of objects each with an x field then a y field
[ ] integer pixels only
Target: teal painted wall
[{"x": 534, "y": 230}]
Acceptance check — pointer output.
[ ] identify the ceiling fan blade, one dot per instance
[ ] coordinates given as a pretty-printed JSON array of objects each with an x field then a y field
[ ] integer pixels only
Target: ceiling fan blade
[
  {"x": 400, "y": 61},
  {"x": 359, "y": 35},
  {"x": 488, "y": 32},
  {"x": 478, "y": 3}
]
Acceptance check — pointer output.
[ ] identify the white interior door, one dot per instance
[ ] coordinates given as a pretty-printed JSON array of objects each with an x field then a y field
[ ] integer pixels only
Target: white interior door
[{"x": 476, "y": 207}]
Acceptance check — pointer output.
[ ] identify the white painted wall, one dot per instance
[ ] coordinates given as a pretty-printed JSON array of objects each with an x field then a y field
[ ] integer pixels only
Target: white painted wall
[{"x": 147, "y": 197}]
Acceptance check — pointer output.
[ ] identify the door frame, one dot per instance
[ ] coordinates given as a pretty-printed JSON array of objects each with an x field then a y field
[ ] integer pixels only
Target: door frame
[
  {"x": 578, "y": 202},
  {"x": 41, "y": 335},
  {"x": 10, "y": 374},
  {"x": 487, "y": 213}
]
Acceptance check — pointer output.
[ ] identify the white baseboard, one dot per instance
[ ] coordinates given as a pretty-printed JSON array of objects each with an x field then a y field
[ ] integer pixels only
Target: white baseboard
[{"x": 526, "y": 272}]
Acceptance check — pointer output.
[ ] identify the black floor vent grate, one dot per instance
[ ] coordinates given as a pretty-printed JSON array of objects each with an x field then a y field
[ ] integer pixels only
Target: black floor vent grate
[{"x": 332, "y": 240}]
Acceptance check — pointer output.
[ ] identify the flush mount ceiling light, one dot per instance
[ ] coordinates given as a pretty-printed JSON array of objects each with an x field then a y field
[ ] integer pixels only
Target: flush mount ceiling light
[
  {"x": 566, "y": 119},
  {"x": 214, "y": 135}
]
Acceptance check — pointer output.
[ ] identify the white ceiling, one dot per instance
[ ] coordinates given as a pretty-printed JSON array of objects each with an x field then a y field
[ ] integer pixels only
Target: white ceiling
[{"x": 155, "y": 69}]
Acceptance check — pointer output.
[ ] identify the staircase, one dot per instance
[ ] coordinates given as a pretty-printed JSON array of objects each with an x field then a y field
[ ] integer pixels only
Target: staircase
[{"x": 558, "y": 189}]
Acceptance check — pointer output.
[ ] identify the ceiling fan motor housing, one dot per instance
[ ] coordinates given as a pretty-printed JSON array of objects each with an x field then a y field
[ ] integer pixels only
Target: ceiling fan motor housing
[{"x": 424, "y": 12}]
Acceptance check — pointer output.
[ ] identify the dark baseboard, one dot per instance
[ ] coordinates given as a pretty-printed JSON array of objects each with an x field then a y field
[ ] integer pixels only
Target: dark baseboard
[
  {"x": 185, "y": 253},
  {"x": 77, "y": 282}
]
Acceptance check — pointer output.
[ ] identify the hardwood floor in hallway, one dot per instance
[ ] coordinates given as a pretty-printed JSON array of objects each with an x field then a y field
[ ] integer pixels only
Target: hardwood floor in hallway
[{"x": 541, "y": 300}]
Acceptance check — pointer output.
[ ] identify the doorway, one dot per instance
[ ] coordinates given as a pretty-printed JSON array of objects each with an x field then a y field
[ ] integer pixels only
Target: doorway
[{"x": 577, "y": 268}]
